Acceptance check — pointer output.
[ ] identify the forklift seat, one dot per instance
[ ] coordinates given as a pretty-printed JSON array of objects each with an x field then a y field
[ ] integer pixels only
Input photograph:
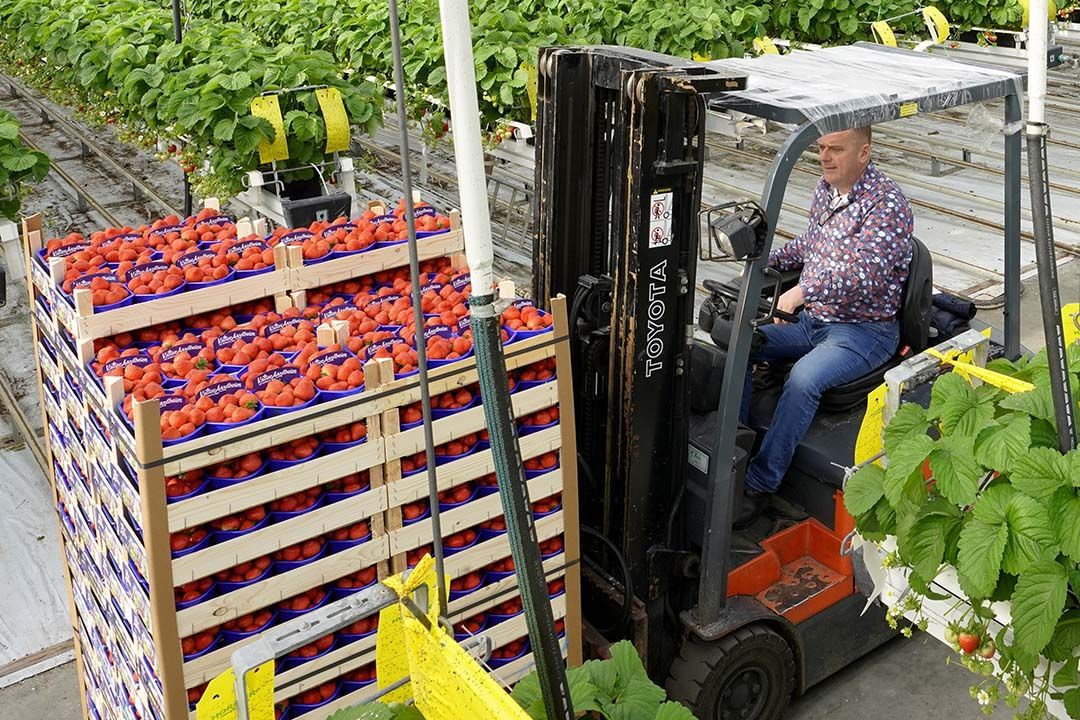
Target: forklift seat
[{"x": 914, "y": 318}]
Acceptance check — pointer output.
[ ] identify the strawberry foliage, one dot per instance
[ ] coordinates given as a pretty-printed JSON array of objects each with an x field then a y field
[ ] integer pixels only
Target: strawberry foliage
[
  {"x": 976, "y": 482},
  {"x": 18, "y": 165}
]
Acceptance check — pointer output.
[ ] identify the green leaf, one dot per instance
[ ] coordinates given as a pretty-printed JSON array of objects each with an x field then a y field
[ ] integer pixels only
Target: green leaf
[
  {"x": 1039, "y": 472},
  {"x": 1071, "y": 701},
  {"x": 1067, "y": 673},
  {"x": 223, "y": 131},
  {"x": 864, "y": 489},
  {"x": 1037, "y": 603},
  {"x": 925, "y": 542},
  {"x": 906, "y": 459},
  {"x": 19, "y": 162},
  {"x": 966, "y": 415},
  {"x": 979, "y": 560},
  {"x": 953, "y": 464},
  {"x": 945, "y": 389},
  {"x": 9, "y": 131},
  {"x": 1037, "y": 402},
  {"x": 909, "y": 421},
  {"x": 237, "y": 81},
  {"x": 1030, "y": 536},
  {"x": 990, "y": 507},
  {"x": 1065, "y": 640},
  {"x": 997, "y": 447},
  {"x": 674, "y": 711},
  {"x": 1064, "y": 512}
]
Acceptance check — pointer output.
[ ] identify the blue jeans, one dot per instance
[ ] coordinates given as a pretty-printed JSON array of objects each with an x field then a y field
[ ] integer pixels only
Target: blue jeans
[{"x": 826, "y": 355}]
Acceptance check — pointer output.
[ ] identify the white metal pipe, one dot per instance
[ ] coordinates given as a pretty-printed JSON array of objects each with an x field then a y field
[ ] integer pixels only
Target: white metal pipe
[
  {"x": 1036, "y": 54},
  {"x": 468, "y": 150}
]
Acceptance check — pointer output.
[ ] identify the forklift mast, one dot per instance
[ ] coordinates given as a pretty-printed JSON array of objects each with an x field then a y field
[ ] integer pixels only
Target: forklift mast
[{"x": 620, "y": 155}]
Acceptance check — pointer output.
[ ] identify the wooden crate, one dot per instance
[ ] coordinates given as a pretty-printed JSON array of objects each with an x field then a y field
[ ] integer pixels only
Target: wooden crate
[{"x": 115, "y": 525}]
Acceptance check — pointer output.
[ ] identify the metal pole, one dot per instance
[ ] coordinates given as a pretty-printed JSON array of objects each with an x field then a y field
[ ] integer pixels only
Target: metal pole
[
  {"x": 491, "y": 365},
  {"x": 418, "y": 311},
  {"x": 1045, "y": 254},
  {"x": 178, "y": 36},
  {"x": 1013, "y": 185}
]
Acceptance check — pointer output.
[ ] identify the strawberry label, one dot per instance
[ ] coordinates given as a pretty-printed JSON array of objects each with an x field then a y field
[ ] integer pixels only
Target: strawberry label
[
  {"x": 347, "y": 227},
  {"x": 335, "y": 357},
  {"x": 523, "y": 303},
  {"x": 194, "y": 258},
  {"x": 381, "y": 219},
  {"x": 389, "y": 299},
  {"x": 244, "y": 245},
  {"x": 440, "y": 331},
  {"x": 85, "y": 280},
  {"x": 464, "y": 324},
  {"x": 378, "y": 345},
  {"x": 191, "y": 348},
  {"x": 217, "y": 390},
  {"x": 297, "y": 237},
  {"x": 335, "y": 309},
  {"x": 168, "y": 403},
  {"x": 279, "y": 325},
  {"x": 216, "y": 220},
  {"x": 431, "y": 287},
  {"x": 285, "y": 373},
  {"x": 67, "y": 250},
  {"x": 140, "y": 360},
  {"x": 147, "y": 267},
  {"x": 462, "y": 281},
  {"x": 244, "y": 335},
  {"x": 425, "y": 211},
  {"x": 162, "y": 231}
]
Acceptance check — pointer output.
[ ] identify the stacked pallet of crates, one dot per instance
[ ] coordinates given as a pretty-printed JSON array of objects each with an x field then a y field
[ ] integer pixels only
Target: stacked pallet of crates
[{"x": 173, "y": 564}]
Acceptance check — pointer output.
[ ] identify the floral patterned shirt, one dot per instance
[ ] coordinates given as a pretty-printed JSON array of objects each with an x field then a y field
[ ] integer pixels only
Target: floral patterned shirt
[{"x": 855, "y": 253}]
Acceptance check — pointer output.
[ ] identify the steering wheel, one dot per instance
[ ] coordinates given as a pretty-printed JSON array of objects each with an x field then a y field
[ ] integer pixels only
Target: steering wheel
[{"x": 732, "y": 292}]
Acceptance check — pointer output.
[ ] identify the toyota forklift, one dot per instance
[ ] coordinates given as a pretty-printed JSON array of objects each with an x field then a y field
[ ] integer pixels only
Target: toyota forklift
[{"x": 734, "y": 622}]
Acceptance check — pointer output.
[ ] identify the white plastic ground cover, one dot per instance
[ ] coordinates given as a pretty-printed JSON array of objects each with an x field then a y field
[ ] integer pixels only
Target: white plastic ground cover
[
  {"x": 823, "y": 83},
  {"x": 891, "y": 585},
  {"x": 34, "y": 618}
]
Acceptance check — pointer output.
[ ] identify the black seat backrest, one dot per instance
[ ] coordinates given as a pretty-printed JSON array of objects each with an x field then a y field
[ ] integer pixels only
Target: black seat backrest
[{"x": 916, "y": 300}]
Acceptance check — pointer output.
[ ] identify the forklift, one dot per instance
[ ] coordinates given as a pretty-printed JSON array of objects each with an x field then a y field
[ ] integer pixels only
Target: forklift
[{"x": 735, "y": 623}]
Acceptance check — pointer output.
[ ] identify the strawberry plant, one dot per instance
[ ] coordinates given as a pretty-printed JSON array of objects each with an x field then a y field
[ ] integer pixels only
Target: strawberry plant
[
  {"x": 118, "y": 61},
  {"x": 18, "y": 164},
  {"x": 614, "y": 689},
  {"x": 975, "y": 482}
]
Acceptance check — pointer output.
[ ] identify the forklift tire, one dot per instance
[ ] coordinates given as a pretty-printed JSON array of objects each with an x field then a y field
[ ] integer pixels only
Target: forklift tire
[{"x": 747, "y": 675}]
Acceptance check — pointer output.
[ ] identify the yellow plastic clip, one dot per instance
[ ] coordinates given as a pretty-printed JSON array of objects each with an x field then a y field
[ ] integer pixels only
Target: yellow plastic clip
[
  {"x": 268, "y": 108},
  {"x": 1006, "y": 383},
  {"x": 1070, "y": 322},
  {"x": 337, "y": 122},
  {"x": 883, "y": 32},
  {"x": 937, "y": 24},
  {"x": 765, "y": 46}
]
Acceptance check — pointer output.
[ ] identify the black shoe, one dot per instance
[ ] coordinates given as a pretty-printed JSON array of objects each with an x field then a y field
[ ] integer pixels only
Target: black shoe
[{"x": 753, "y": 503}]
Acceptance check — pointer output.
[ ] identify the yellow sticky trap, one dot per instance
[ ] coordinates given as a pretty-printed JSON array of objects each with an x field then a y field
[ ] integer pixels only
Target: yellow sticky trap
[
  {"x": 1070, "y": 323},
  {"x": 871, "y": 432},
  {"x": 337, "y": 122},
  {"x": 884, "y": 33},
  {"x": 698, "y": 57},
  {"x": 219, "y": 699},
  {"x": 445, "y": 681},
  {"x": 1051, "y": 11},
  {"x": 1006, "y": 383},
  {"x": 908, "y": 109},
  {"x": 765, "y": 46},
  {"x": 937, "y": 24},
  {"x": 268, "y": 108},
  {"x": 530, "y": 87}
]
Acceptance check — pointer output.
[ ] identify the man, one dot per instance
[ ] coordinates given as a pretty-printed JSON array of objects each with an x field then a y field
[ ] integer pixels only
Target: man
[{"x": 854, "y": 258}]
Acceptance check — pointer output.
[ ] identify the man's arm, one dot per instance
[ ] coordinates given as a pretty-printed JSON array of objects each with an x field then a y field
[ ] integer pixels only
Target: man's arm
[
  {"x": 882, "y": 244},
  {"x": 789, "y": 257}
]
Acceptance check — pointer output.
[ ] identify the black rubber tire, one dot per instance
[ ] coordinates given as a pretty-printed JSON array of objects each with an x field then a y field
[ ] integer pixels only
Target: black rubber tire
[{"x": 717, "y": 680}]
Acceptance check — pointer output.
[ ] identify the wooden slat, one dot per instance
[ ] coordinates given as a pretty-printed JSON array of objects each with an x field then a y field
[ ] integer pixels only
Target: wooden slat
[
  {"x": 468, "y": 421},
  {"x": 280, "y": 483},
  {"x": 278, "y": 535},
  {"x": 474, "y": 466},
  {"x": 506, "y": 589},
  {"x": 470, "y": 515},
  {"x": 275, "y": 589}
]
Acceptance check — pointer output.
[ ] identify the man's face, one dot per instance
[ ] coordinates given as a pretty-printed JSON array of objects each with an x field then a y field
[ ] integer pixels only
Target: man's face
[{"x": 843, "y": 155}]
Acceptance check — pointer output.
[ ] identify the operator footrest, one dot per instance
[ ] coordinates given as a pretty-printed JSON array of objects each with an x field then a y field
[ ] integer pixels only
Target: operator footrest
[{"x": 800, "y": 572}]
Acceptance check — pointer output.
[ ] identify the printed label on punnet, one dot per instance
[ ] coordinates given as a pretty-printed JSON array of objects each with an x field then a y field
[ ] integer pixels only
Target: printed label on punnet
[
  {"x": 378, "y": 345},
  {"x": 461, "y": 281},
  {"x": 279, "y": 325},
  {"x": 216, "y": 390},
  {"x": 337, "y": 357},
  {"x": 334, "y": 310},
  {"x": 233, "y": 336},
  {"x": 140, "y": 360},
  {"x": 285, "y": 374},
  {"x": 194, "y": 258},
  {"x": 67, "y": 250},
  {"x": 191, "y": 348}
]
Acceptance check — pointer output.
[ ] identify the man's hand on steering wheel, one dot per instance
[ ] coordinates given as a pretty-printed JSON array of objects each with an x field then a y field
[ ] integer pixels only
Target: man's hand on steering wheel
[{"x": 789, "y": 302}]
